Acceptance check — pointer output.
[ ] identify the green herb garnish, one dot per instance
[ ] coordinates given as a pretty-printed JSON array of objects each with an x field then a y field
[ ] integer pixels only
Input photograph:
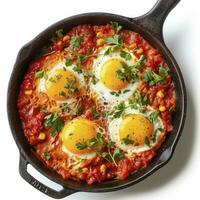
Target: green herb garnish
[
  {"x": 152, "y": 78},
  {"x": 154, "y": 116},
  {"x": 47, "y": 155},
  {"x": 116, "y": 26},
  {"x": 59, "y": 33},
  {"x": 81, "y": 145},
  {"x": 118, "y": 110},
  {"x": 62, "y": 93},
  {"x": 125, "y": 55},
  {"x": 55, "y": 122},
  {"x": 95, "y": 113},
  {"x": 41, "y": 74},
  {"x": 116, "y": 39},
  {"x": 70, "y": 85},
  {"x": 147, "y": 141},
  {"x": 127, "y": 140},
  {"x": 138, "y": 101},
  {"x": 75, "y": 42},
  {"x": 68, "y": 62}
]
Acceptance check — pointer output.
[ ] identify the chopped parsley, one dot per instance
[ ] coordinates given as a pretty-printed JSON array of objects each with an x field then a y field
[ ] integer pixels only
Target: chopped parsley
[
  {"x": 41, "y": 74},
  {"x": 78, "y": 109},
  {"x": 89, "y": 74},
  {"x": 117, "y": 94},
  {"x": 125, "y": 55},
  {"x": 118, "y": 110},
  {"x": 47, "y": 155},
  {"x": 153, "y": 78},
  {"x": 156, "y": 133},
  {"x": 97, "y": 143},
  {"x": 75, "y": 42},
  {"x": 81, "y": 145},
  {"x": 65, "y": 107},
  {"x": 138, "y": 101},
  {"x": 147, "y": 141},
  {"x": 44, "y": 110},
  {"x": 68, "y": 62},
  {"x": 154, "y": 116},
  {"x": 142, "y": 61},
  {"x": 116, "y": 26},
  {"x": 127, "y": 73},
  {"x": 62, "y": 93},
  {"x": 59, "y": 33},
  {"x": 95, "y": 113},
  {"x": 70, "y": 85},
  {"x": 127, "y": 140},
  {"x": 54, "y": 121},
  {"x": 116, "y": 39}
]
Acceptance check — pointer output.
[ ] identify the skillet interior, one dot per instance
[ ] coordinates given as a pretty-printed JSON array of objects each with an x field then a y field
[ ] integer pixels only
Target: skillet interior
[{"x": 29, "y": 52}]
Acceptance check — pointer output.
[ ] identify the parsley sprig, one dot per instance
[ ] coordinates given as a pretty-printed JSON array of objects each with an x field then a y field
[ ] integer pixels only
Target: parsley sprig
[
  {"x": 41, "y": 74},
  {"x": 75, "y": 42},
  {"x": 138, "y": 101},
  {"x": 54, "y": 121},
  {"x": 153, "y": 78},
  {"x": 118, "y": 110},
  {"x": 111, "y": 154},
  {"x": 127, "y": 140},
  {"x": 71, "y": 86},
  {"x": 116, "y": 26}
]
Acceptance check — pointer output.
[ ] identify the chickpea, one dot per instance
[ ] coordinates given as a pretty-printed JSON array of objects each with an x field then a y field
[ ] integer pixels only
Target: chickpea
[
  {"x": 160, "y": 94},
  {"x": 139, "y": 51},
  {"x": 162, "y": 108},
  {"x": 59, "y": 43},
  {"x": 103, "y": 168},
  {"x": 132, "y": 46},
  {"x": 85, "y": 170},
  {"x": 66, "y": 37},
  {"x": 100, "y": 42},
  {"x": 42, "y": 136},
  {"x": 99, "y": 35},
  {"x": 28, "y": 92}
]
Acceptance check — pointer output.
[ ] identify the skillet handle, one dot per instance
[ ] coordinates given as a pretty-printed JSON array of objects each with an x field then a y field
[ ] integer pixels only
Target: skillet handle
[
  {"x": 153, "y": 20},
  {"x": 40, "y": 186}
]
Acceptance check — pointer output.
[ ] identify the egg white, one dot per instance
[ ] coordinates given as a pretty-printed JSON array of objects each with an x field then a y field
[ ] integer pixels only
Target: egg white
[
  {"x": 113, "y": 130},
  {"x": 100, "y": 91},
  {"x": 74, "y": 156}
]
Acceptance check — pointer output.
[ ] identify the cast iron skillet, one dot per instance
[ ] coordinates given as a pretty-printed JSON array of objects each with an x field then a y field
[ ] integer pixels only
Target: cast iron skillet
[{"x": 150, "y": 27}]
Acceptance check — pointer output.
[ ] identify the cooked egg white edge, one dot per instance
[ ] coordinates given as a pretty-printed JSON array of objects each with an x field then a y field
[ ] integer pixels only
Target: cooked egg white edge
[
  {"x": 100, "y": 90},
  {"x": 82, "y": 156},
  {"x": 113, "y": 130}
]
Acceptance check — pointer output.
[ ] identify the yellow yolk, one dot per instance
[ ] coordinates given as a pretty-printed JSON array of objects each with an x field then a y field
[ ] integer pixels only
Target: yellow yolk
[
  {"x": 136, "y": 127},
  {"x": 56, "y": 82},
  {"x": 78, "y": 131},
  {"x": 108, "y": 75}
]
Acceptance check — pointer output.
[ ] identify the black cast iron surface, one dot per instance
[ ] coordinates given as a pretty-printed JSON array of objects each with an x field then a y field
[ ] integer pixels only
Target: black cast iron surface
[{"x": 150, "y": 27}]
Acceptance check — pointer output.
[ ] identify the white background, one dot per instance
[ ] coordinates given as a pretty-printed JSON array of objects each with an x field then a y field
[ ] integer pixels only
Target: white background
[{"x": 22, "y": 20}]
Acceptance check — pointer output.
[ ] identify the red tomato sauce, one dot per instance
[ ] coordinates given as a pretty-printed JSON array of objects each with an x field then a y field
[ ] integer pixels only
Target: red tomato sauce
[{"x": 97, "y": 169}]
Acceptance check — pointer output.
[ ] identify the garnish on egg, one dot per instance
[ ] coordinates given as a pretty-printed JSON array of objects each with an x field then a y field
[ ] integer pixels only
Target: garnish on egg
[
  {"x": 136, "y": 127},
  {"x": 109, "y": 74},
  {"x": 61, "y": 84}
]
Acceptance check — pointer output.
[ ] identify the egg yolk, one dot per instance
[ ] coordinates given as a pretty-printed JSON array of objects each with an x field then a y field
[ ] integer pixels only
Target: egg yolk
[
  {"x": 56, "y": 84},
  {"x": 109, "y": 77},
  {"x": 78, "y": 131},
  {"x": 136, "y": 127}
]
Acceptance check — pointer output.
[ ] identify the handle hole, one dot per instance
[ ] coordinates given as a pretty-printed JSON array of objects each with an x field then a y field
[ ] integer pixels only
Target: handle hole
[{"x": 31, "y": 170}]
